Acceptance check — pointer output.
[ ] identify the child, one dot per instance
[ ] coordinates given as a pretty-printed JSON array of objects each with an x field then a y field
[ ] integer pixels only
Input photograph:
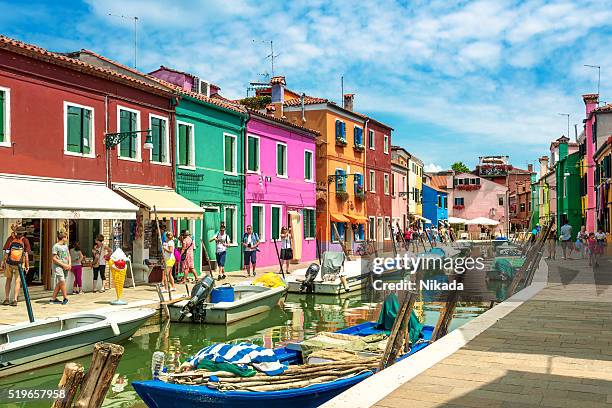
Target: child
[
  {"x": 61, "y": 263},
  {"x": 595, "y": 250},
  {"x": 76, "y": 256}
]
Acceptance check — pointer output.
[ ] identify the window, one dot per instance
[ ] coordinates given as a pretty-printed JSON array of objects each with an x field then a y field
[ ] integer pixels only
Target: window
[
  {"x": 477, "y": 181},
  {"x": 275, "y": 222},
  {"x": 445, "y": 202},
  {"x": 230, "y": 154},
  {"x": 371, "y": 143},
  {"x": 129, "y": 121},
  {"x": 309, "y": 223},
  {"x": 358, "y": 136},
  {"x": 308, "y": 165},
  {"x": 79, "y": 129},
  {"x": 500, "y": 200},
  {"x": 186, "y": 151},
  {"x": 5, "y": 117},
  {"x": 159, "y": 135},
  {"x": 253, "y": 153},
  {"x": 371, "y": 228},
  {"x": 359, "y": 232},
  {"x": 522, "y": 207},
  {"x": 359, "y": 184},
  {"x": 472, "y": 181},
  {"x": 439, "y": 201},
  {"x": 386, "y": 184},
  {"x": 393, "y": 184},
  {"x": 372, "y": 181},
  {"x": 403, "y": 187},
  {"x": 281, "y": 160},
  {"x": 386, "y": 228},
  {"x": 564, "y": 187},
  {"x": 459, "y": 201},
  {"x": 258, "y": 220},
  {"x": 230, "y": 223},
  {"x": 386, "y": 144},
  {"x": 340, "y": 180},
  {"x": 340, "y": 130},
  {"x": 340, "y": 226}
]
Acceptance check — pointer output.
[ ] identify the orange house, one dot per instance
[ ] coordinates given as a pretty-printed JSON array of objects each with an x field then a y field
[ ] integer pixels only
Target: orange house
[{"x": 340, "y": 161}]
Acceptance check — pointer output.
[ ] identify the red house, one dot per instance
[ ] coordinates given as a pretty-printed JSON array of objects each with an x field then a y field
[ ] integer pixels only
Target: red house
[{"x": 56, "y": 112}]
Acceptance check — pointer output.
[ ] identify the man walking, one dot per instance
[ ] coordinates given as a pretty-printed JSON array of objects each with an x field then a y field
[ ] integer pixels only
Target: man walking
[
  {"x": 566, "y": 239},
  {"x": 61, "y": 263},
  {"x": 16, "y": 250},
  {"x": 250, "y": 242}
]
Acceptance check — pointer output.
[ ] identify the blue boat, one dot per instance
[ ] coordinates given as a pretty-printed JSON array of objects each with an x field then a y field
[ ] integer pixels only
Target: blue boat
[{"x": 159, "y": 394}]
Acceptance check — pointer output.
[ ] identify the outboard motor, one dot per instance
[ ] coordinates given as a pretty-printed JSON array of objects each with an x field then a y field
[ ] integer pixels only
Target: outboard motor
[
  {"x": 309, "y": 277},
  {"x": 199, "y": 293}
]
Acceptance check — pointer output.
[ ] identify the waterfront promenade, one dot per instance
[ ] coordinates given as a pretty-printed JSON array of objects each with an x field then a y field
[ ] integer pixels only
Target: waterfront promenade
[{"x": 553, "y": 350}]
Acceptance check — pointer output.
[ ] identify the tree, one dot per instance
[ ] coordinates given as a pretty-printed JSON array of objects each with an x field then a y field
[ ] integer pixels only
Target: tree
[{"x": 460, "y": 167}]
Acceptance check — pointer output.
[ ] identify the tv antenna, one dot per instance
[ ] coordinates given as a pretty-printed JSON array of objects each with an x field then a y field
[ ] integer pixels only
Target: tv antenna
[
  {"x": 598, "y": 76},
  {"x": 135, "y": 18},
  {"x": 272, "y": 55}
]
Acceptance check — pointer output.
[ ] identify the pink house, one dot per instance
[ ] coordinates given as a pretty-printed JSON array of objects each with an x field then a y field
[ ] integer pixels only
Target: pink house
[
  {"x": 280, "y": 185},
  {"x": 471, "y": 196}
]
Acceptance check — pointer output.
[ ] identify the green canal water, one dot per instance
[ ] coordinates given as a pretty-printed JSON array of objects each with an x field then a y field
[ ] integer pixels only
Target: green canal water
[{"x": 301, "y": 316}]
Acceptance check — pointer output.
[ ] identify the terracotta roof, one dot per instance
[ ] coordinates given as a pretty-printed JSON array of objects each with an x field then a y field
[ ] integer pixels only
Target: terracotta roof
[
  {"x": 278, "y": 80},
  {"x": 438, "y": 181},
  {"x": 173, "y": 70},
  {"x": 605, "y": 108},
  {"x": 282, "y": 121},
  {"x": 308, "y": 100},
  {"x": 39, "y": 53},
  {"x": 590, "y": 97}
]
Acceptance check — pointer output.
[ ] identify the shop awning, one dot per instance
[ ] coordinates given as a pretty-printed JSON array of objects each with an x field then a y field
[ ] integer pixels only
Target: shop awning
[
  {"x": 34, "y": 197},
  {"x": 357, "y": 219},
  {"x": 167, "y": 202},
  {"x": 338, "y": 217}
]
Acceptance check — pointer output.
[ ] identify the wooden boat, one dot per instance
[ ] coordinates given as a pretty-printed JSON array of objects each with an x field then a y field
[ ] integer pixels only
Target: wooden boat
[
  {"x": 249, "y": 300},
  {"x": 50, "y": 341},
  {"x": 157, "y": 394}
]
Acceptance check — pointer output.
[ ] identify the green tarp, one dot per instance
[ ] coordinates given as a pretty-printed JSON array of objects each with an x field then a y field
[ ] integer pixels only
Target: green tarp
[{"x": 388, "y": 313}]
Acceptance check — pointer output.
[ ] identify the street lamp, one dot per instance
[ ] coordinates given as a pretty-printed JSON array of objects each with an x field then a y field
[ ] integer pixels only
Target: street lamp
[{"x": 111, "y": 140}]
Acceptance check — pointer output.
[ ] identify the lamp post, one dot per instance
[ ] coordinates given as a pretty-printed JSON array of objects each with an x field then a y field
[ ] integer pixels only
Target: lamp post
[{"x": 111, "y": 140}]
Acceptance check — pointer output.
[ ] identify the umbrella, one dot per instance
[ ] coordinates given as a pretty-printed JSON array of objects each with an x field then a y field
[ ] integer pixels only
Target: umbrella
[
  {"x": 482, "y": 221},
  {"x": 456, "y": 220},
  {"x": 423, "y": 219}
]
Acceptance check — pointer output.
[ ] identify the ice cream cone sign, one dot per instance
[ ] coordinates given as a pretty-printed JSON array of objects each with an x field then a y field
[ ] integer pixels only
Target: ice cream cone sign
[{"x": 118, "y": 268}]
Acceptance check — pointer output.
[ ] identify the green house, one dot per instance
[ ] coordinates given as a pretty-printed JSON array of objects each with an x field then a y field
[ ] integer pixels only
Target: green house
[
  {"x": 209, "y": 171},
  {"x": 569, "y": 204}
]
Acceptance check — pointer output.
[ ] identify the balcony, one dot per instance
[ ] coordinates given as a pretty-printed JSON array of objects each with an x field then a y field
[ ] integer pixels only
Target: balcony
[{"x": 341, "y": 141}]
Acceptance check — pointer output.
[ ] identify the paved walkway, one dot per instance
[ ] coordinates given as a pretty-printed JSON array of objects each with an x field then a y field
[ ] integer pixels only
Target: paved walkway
[
  {"x": 554, "y": 350},
  {"x": 141, "y": 296}
]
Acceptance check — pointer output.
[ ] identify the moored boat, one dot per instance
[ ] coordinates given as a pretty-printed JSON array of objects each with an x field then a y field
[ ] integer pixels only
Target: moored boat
[{"x": 50, "y": 341}]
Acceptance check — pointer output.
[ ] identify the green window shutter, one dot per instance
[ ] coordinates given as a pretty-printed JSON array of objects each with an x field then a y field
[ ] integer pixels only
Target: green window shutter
[
  {"x": 229, "y": 154},
  {"x": 253, "y": 159},
  {"x": 86, "y": 131},
  {"x": 124, "y": 126},
  {"x": 2, "y": 115},
  {"x": 156, "y": 136},
  {"x": 229, "y": 222},
  {"x": 73, "y": 142},
  {"x": 275, "y": 222},
  {"x": 162, "y": 141},
  {"x": 182, "y": 145},
  {"x": 256, "y": 216},
  {"x": 280, "y": 159},
  {"x": 307, "y": 165},
  {"x": 132, "y": 139}
]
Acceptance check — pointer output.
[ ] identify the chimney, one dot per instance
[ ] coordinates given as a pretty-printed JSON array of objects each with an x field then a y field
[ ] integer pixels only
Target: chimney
[
  {"x": 590, "y": 101},
  {"x": 278, "y": 95},
  {"x": 348, "y": 101},
  {"x": 530, "y": 168},
  {"x": 543, "y": 166},
  {"x": 563, "y": 147}
]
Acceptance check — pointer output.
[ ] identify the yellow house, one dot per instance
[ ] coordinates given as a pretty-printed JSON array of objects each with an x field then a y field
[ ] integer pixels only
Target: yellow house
[
  {"x": 340, "y": 161},
  {"x": 415, "y": 187}
]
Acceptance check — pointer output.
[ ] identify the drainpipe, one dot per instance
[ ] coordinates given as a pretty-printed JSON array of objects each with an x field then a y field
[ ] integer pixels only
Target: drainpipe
[
  {"x": 106, "y": 150},
  {"x": 303, "y": 108},
  {"x": 365, "y": 172},
  {"x": 245, "y": 121}
]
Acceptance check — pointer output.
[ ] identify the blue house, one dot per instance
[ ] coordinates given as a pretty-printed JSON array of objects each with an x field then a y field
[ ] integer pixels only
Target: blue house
[{"x": 435, "y": 204}]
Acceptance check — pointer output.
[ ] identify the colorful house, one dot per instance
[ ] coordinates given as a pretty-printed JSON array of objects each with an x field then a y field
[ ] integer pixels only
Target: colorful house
[
  {"x": 340, "y": 163},
  {"x": 472, "y": 196},
  {"x": 534, "y": 201},
  {"x": 435, "y": 204},
  {"x": 209, "y": 164},
  {"x": 568, "y": 187},
  {"x": 415, "y": 188},
  {"x": 399, "y": 170},
  {"x": 590, "y": 137},
  {"x": 280, "y": 187},
  {"x": 603, "y": 175}
]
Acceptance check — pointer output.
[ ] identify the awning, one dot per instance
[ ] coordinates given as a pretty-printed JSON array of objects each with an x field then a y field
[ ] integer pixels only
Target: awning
[
  {"x": 422, "y": 219},
  {"x": 34, "y": 197},
  {"x": 357, "y": 219},
  {"x": 456, "y": 220},
  {"x": 166, "y": 202},
  {"x": 482, "y": 221},
  {"x": 338, "y": 217}
]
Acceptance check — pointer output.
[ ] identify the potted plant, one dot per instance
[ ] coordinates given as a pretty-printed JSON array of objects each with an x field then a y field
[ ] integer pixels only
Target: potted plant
[
  {"x": 458, "y": 207},
  {"x": 359, "y": 147},
  {"x": 340, "y": 141},
  {"x": 359, "y": 193},
  {"x": 342, "y": 195}
]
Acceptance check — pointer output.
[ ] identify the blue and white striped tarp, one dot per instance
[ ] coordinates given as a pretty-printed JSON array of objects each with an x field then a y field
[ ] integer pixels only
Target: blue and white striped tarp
[{"x": 262, "y": 359}]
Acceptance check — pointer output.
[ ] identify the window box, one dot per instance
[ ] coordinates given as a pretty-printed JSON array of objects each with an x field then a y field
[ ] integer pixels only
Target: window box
[
  {"x": 341, "y": 142},
  {"x": 342, "y": 195},
  {"x": 359, "y": 147},
  {"x": 360, "y": 195},
  {"x": 468, "y": 187},
  {"x": 458, "y": 207}
]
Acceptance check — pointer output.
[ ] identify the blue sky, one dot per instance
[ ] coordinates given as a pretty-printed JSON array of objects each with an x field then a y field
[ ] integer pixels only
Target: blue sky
[{"x": 455, "y": 79}]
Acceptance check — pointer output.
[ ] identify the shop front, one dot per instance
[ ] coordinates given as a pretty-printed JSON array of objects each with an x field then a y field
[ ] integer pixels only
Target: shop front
[{"x": 45, "y": 206}]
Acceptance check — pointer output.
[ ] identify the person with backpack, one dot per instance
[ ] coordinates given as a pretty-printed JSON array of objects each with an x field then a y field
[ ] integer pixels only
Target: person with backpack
[
  {"x": 250, "y": 242},
  {"x": 222, "y": 240},
  {"x": 16, "y": 250}
]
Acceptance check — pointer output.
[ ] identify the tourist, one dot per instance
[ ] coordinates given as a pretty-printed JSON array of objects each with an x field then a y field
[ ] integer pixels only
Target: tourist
[
  {"x": 600, "y": 237},
  {"x": 101, "y": 254},
  {"x": 61, "y": 264},
  {"x": 566, "y": 239},
  {"x": 552, "y": 242},
  {"x": 169, "y": 261},
  {"x": 595, "y": 250},
  {"x": 286, "y": 253},
  {"x": 15, "y": 253},
  {"x": 407, "y": 238},
  {"x": 250, "y": 242},
  {"x": 581, "y": 242},
  {"x": 222, "y": 240},
  {"x": 76, "y": 257},
  {"x": 187, "y": 263}
]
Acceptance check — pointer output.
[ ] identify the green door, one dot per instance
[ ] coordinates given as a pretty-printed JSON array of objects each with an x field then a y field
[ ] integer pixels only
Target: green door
[{"x": 210, "y": 227}]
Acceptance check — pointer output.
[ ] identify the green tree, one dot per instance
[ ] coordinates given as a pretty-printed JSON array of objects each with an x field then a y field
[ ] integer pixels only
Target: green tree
[{"x": 460, "y": 167}]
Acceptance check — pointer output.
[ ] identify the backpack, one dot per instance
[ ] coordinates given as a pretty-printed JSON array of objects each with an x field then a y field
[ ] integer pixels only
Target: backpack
[
  {"x": 16, "y": 252},
  {"x": 244, "y": 237}
]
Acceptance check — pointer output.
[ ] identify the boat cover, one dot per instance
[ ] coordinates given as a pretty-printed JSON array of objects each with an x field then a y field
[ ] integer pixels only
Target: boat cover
[
  {"x": 388, "y": 313},
  {"x": 332, "y": 262},
  {"x": 242, "y": 354}
]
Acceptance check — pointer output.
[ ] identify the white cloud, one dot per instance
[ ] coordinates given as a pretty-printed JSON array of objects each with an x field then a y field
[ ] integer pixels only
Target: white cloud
[{"x": 432, "y": 168}]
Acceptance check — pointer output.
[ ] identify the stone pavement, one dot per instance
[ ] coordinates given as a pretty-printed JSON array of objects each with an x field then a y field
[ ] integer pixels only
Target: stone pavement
[
  {"x": 554, "y": 350},
  {"x": 141, "y": 296}
]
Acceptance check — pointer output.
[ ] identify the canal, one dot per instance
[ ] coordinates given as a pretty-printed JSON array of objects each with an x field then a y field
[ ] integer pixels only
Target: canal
[{"x": 301, "y": 316}]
